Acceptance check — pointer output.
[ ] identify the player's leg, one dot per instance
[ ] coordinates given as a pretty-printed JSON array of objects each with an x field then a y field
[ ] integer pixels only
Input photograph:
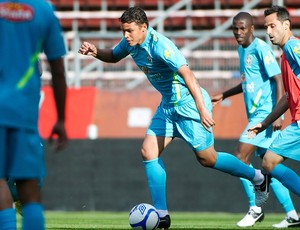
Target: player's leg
[
  {"x": 201, "y": 141},
  {"x": 156, "y": 175},
  {"x": 32, "y": 210},
  {"x": 13, "y": 190},
  {"x": 7, "y": 212},
  {"x": 255, "y": 214},
  {"x": 283, "y": 196},
  {"x": 244, "y": 152},
  {"x": 228, "y": 163},
  {"x": 158, "y": 136},
  {"x": 286, "y": 145},
  {"x": 289, "y": 178},
  {"x": 29, "y": 163}
]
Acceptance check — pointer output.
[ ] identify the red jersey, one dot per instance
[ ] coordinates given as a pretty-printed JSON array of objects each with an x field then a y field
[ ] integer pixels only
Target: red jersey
[{"x": 290, "y": 67}]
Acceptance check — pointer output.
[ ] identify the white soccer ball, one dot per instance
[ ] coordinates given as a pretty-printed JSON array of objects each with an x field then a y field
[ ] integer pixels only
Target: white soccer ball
[{"x": 143, "y": 216}]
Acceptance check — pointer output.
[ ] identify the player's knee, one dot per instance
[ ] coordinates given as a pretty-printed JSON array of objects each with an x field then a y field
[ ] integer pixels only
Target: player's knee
[
  {"x": 147, "y": 155},
  {"x": 270, "y": 160},
  {"x": 240, "y": 156},
  {"x": 206, "y": 162}
]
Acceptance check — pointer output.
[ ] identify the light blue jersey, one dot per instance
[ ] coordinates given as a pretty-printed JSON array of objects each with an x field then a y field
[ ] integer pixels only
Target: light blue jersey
[
  {"x": 257, "y": 67},
  {"x": 160, "y": 60},
  {"x": 30, "y": 28},
  {"x": 177, "y": 115}
]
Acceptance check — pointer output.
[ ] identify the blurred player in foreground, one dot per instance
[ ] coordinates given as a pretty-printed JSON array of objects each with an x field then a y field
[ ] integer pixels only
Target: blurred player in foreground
[
  {"x": 262, "y": 87},
  {"x": 286, "y": 144},
  {"x": 28, "y": 27},
  {"x": 184, "y": 112}
]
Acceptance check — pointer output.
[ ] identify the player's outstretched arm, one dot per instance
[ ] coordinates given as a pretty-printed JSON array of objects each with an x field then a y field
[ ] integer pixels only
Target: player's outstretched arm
[
  {"x": 88, "y": 49},
  {"x": 281, "y": 108},
  {"x": 228, "y": 93},
  {"x": 105, "y": 55}
]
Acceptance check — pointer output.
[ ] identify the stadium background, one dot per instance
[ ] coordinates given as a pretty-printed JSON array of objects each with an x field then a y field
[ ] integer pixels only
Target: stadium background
[{"x": 110, "y": 105}]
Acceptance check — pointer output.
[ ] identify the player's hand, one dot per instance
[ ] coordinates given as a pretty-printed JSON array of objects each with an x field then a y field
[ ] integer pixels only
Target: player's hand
[
  {"x": 253, "y": 131},
  {"x": 88, "y": 49},
  {"x": 277, "y": 125},
  {"x": 206, "y": 120},
  {"x": 216, "y": 99},
  {"x": 59, "y": 133}
]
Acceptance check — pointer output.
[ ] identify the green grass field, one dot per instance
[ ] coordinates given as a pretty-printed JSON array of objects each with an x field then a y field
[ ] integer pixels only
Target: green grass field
[{"x": 180, "y": 220}]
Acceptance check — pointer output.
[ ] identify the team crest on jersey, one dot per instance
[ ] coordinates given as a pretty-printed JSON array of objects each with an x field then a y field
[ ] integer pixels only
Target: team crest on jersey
[
  {"x": 249, "y": 60},
  {"x": 154, "y": 37},
  {"x": 16, "y": 12}
]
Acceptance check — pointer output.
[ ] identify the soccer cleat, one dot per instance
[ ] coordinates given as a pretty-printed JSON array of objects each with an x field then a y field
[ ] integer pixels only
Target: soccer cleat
[
  {"x": 262, "y": 191},
  {"x": 288, "y": 222},
  {"x": 251, "y": 218},
  {"x": 164, "y": 222}
]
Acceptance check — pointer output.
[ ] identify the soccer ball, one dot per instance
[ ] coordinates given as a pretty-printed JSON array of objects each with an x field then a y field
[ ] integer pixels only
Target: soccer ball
[{"x": 143, "y": 216}]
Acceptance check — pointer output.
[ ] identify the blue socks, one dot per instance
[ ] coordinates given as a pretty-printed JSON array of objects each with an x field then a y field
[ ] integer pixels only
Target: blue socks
[
  {"x": 8, "y": 219},
  {"x": 156, "y": 176},
  {"x": 249, "y": 190},
  {"x": 287, "y": 177},
  {"x": 33, "y": 217},
  {"x": 283, "y": 195},
  {"x": 230, "y": 164}
]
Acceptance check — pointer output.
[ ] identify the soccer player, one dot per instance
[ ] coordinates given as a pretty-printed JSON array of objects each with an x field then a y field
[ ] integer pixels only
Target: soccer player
[
  {"x": 286, "y": 144},
  {"x": 28, "y": 27},
  {"x": 261, "y": 85},
  {"x": 184, "y": 112}
]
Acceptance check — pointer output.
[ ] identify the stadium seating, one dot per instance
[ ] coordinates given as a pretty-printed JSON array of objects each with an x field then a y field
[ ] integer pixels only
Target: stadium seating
[{"x": 214, "y": 56}]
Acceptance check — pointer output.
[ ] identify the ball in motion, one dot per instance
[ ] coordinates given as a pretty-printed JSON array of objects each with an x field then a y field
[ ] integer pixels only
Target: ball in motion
[{"x": 143, "y": 216}]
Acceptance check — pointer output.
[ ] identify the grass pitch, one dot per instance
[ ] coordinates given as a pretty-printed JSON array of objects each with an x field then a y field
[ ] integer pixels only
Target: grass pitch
[{"x": 180, "y": 220}]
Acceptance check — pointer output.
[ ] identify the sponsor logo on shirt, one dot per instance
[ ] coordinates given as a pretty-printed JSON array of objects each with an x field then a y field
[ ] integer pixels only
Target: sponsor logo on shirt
[{"x": 16, "y": 12}]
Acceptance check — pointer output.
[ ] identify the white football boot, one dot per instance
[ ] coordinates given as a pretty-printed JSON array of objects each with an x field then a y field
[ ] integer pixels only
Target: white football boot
[
  {"x": 288, "y": 222},
  {"x": 251, "y": 218}
]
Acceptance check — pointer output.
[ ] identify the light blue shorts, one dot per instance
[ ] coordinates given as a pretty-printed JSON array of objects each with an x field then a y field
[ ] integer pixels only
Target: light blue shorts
[
  {"x": 182, "y": 121},
  {"x": 21, "y": 154},
  {"x": 287, "y": 142},
  {"x": 263, "y": 140}
]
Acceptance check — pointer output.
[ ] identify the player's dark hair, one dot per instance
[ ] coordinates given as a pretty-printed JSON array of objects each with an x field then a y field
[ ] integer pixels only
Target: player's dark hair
[
  {"x": 244, "y": 16},
  {"x": 134, "y": 14},
  {"x": 281, "y": 12}
]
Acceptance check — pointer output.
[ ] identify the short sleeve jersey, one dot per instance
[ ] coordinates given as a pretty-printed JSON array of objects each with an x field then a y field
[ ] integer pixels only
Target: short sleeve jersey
[
  {"x": 257, "y": 67},
  {"x": 28, "y": 27},
  {"x": 290, "y": 66},
  {"x": 159, "y": 59}
]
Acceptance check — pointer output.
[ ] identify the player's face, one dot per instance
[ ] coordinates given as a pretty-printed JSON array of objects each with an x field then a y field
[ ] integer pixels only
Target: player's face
[
  {"x": 134, "y": 33},
  {"x": 275, "y": 29},
  {"x": 242, "y": 31}
]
